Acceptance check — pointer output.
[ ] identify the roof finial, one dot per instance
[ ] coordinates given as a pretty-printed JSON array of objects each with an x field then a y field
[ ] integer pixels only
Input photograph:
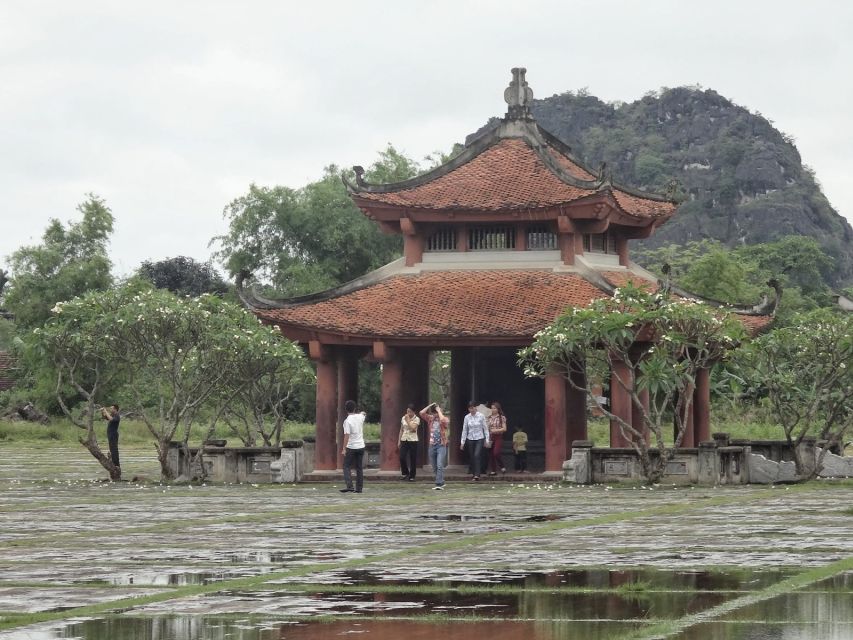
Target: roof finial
[{"x": 518, "y": 96}]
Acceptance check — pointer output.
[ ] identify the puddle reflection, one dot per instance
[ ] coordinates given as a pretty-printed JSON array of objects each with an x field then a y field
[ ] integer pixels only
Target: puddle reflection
[
  {"x": 525, "y": 605},
  {"x": 768, "y": 631},
  {"x": 202, "y": 628},
  {"x": 650, "y": 579},
  {"x": 826, "y": 607}
]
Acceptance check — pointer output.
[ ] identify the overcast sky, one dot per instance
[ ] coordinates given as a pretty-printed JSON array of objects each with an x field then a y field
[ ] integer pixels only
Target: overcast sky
[{"x": 169, "y": 110}]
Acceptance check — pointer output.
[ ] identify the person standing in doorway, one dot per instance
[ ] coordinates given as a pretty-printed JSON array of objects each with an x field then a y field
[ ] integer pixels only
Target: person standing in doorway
[
  {"x": 353, "y": 448},
  {"x": 475, "y": 434},
  {"x": 436, "y": 423},
  {"x": 111, "y": 414},
  {"x": 497, "y": 429},
  {"x": 407, "y": 443}
]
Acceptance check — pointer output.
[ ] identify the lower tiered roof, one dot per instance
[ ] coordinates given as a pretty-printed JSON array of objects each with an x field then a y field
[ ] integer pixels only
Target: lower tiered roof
[{"x": 503, "y": 305}]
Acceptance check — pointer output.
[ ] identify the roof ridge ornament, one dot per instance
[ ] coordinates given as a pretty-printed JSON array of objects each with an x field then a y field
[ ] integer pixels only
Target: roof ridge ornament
[{"x": 519, "y": 96}]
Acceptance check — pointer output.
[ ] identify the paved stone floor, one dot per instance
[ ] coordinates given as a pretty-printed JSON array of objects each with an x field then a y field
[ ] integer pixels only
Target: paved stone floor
[{"x": 83, "y": 558}]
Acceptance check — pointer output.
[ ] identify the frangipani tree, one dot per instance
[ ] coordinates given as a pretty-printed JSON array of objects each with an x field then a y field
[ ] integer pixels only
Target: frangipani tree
[
  {"x": 180, "y": 359},
  {"x": 76, "y": 340},
  {"x": 267, "y": 373},
  {"x": 807, "y": 370},
  {"x": 652, "y": 346}
]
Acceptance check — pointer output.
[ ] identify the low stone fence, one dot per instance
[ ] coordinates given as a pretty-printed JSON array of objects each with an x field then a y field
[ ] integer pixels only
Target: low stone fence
[
  {"x": 720, "y": 461},
  {"x": 262, "y": 465}
]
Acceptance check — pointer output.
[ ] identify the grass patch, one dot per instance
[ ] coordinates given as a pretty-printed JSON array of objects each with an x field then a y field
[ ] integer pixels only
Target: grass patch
[
  {"x": 787, "y": 585},
  {"x": 637, "y": 586},
  {"x": 135, "y": 432},
  {"x": 737, "y": 426}
]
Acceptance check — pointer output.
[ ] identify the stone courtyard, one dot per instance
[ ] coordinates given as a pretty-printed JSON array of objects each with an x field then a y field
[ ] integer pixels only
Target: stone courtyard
[{"x": 82, "y": 558}]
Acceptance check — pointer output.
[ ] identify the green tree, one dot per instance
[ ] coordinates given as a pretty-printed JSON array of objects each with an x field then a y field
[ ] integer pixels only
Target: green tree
[
  {"x": 679, "y": 257},
  {"x": 7, "y": 334},
  {"x": 304, "y": 240},
  {"x": 183, "y": 276},
  {"x": 179, "y": 359},
  {"x": 613, "y": 335},
  {"x": 807, "y": 370},
  {"x": 797, "y": 260},
  {"x": 265, "y": 375},
  {"x": 71, "y": 260},
  {"x": 650, "y": 169},
  {"x": 739, "y": 275},
  {"x": 719, "y": 275},
  {"x": 74, "y": 347}
]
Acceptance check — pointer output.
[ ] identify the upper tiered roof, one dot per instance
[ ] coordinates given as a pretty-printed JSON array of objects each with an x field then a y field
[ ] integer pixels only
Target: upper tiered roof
[{"x": 514, "y": 167}]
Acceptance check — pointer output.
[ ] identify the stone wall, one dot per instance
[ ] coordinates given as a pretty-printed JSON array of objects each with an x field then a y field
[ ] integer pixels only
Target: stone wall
[
  {"x": 720, "y": 461},
  {"x": 262, "y": 465}
]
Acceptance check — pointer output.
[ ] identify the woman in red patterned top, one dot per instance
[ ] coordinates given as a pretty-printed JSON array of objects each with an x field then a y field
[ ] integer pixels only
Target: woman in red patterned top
[{"x": 497, "y": 429}]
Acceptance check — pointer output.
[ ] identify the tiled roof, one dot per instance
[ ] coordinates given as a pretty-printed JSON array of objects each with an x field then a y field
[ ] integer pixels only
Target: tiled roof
[
  {"x": 621, "y": 278},
  {"x": 458, "y": 304},
  {"x": 509, "y": 175},
  {"x": 7, "y": 363},
  {"x": 446, "y": 304},
  {"x": 754, "y": 324}
]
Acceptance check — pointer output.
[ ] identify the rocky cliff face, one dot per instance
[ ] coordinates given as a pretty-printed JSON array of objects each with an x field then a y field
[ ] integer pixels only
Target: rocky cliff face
[{"x": 743, "y": 181}]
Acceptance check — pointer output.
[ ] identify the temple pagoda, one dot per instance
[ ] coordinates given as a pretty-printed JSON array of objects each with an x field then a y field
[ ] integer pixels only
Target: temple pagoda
[{"x": 497, "y": 243}]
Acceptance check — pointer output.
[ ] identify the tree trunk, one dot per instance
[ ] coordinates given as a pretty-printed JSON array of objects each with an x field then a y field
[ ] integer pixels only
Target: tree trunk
[
  {"x": 92, "y": 447},
  {"x": 163, "y": 457}
]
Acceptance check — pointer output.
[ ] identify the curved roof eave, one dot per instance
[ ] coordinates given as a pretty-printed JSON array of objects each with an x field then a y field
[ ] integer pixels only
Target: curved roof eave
[{"x": 538, "y": 139}]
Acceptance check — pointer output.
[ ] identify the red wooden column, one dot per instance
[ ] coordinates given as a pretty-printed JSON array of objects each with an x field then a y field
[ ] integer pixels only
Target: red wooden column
[
  {"x": 689, "y": 439},
  {"x": 576, "y": 409},
  {"x": 638, "y": 413},
  {"x": 702, "y": 407},
  {"x": 413, "y": 242},
  {"x": 392, "y": 406},
  {"x": 622, "y": 250},
  {"x": 416, "y": 391},
  {"x": 620, "y": 402},
  {"x": 347, "y": 361},
  {"x": 566, "y": 239},
  {"x": 461, "y": 362},
  {"x": 326, "y": 452},
  {"x": 556, "y": 436}
]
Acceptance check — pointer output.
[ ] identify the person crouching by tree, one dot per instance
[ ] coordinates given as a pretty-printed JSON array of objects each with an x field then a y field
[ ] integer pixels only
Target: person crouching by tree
[
  {"x": 111, "y": 414},
  {"x": 436, "y": 428},
  {"x": 353, "y": 449}
]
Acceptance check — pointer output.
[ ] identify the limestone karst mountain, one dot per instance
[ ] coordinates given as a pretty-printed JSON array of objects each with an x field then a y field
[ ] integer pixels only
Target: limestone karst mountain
[{"x": 742, "y": 180}]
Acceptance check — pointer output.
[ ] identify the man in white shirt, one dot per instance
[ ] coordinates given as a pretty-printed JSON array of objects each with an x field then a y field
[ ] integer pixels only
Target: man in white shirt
[
  {"x": 475, "y": 433},
  {"x": 353, "y": 449}
]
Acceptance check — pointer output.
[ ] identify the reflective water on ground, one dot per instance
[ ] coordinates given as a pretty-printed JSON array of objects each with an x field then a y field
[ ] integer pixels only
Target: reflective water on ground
[
  {"x": 521, "y": 561},
  {"x": 201, "y": 628}
]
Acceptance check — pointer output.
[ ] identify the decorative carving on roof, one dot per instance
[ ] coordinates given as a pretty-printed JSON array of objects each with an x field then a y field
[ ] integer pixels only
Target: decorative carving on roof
[
  {"x": 359, "y": 176},
  {"x": 250, "y": 297},
  {"x": 665, "y": 283},
  {"x": 519, "y": 96}
]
